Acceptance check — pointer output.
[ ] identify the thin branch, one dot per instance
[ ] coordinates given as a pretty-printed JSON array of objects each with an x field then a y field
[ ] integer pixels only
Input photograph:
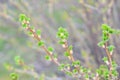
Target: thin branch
[{"x": 109, "y": 58}]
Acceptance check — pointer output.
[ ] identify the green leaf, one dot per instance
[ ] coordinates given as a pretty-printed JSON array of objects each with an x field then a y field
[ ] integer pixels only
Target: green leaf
[
  {"x": 61, "y": 29},
  {"x": 47, "y": 57},
  {"x": 74, "y": 71},
  {"x": 30, "y": 33},
  {"x": 50, "y": 49},
  {"x": 61, "y": 67},
  {"x": 76, "y": 63},
  {"x": 100, "y": 44},
  {"x": 14, "y": 76},
  {"x": 114, "y": 64},
  {"x": 7, "y": 66},
  {"x": 40, "y": 43},
  {"x": 25, "y": 25},
  {"x": 105, "y": 27},
  {"x": 111, "y": 48},
  {"x": 27, "y": 19},
  {"x": 70, "y": 47},
  {"x": 22, "y": 17},
  {"x": 61, "y": 42},
  {"x": 66, "y": 54},
  {"x": 38, "y": 32},
  {"x": 114, "y": 73},
  {"x": 111, "y": 31},
  {"x": 18, "y": 60},
  {"x": 62, "y": 33},
  {"x": 85, "y": 70},
  {"x": 86, "y": 76},
  {"x": 105, "y": 33},
  {"x": 105, "y": 59},
  {"x": 105, "y": 38},
  {"x": 69, "y": 73}
]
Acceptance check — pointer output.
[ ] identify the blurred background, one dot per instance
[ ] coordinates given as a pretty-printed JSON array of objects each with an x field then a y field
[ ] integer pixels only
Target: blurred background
[{"x": 82, "y": 19}]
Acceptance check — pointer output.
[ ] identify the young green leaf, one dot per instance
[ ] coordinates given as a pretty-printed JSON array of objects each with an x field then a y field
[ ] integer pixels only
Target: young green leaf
[
  {"x": 38, "y": 32},
  {"x": 14, "y": 76},
  {"x": 66, "y": 54},
  {"x": 40, "y": 43},
  {"x": 111, "y": 48},
  {"x": 47, "y": 57},
  {"x": 50, "y": 49}
]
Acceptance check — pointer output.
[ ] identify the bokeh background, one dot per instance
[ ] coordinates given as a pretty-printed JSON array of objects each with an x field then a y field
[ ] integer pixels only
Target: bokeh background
[{"x": 82, "y": 19}]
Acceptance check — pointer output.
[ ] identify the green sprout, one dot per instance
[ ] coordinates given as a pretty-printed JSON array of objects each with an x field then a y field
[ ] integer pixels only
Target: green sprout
[
  {"x": 41, "y": 43},
  {"x": 24, "y": 20},
  {"x": 14, "y": 76},
  {"x": 62, "y": 34},
  {"x": 105, "y": 72},
  {"x": 47, "y": 57},
  {"x": 18, "y": 60},
  {"x": 38, "y": 32},
  {"x": 50, "y": 49}
]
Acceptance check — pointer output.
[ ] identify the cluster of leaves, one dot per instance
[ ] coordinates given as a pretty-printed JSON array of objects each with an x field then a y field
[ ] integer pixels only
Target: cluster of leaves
[
  {"x": 14, "y": 76},
  {"x": 106, "y": 32},
  {"x": 106, "y": 71},
  {"x": 78, "y": 71},
  {"x": 23, "y": 69},
  {"x": 62, "y": 34}
]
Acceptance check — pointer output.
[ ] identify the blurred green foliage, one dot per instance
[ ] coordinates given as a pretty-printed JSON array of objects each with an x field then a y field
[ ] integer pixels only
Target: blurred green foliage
[{"x": 82, "y": 18}]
